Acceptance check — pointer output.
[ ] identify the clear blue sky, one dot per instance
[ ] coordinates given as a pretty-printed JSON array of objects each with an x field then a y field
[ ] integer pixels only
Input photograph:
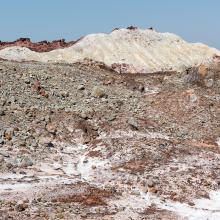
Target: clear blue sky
[{"x": 194, "y": 20}]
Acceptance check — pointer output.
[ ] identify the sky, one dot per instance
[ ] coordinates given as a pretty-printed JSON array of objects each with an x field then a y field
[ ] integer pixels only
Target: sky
[{"x": 193, "y": 20}]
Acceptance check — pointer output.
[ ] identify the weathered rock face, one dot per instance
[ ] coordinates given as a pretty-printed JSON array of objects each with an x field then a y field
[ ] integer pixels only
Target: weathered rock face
[
  {"x": 130, "y": 50},
  {"x": 42, "y": 46}
]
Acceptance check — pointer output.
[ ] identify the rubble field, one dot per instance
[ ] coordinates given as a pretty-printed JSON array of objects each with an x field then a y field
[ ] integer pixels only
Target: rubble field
[{"x": 84, "y": 142}]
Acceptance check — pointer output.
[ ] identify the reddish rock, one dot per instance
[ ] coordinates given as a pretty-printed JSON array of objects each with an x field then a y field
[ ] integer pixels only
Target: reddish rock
[
  {"x": 51, "y": 128},
  {"x": 42, "y": 46},
  {"x": 36, "y": 85},
  {"x": 42, "y": 92}
]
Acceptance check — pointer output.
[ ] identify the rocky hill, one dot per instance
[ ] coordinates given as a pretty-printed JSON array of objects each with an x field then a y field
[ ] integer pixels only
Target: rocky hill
[
  {"x": 129, "y": 50},
  {"x": 43, "y": 46},
  {"x": 79, "y": 140}
]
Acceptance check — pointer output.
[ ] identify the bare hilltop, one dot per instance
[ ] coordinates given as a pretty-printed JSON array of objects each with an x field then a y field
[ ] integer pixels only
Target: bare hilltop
[{"x": 117, "y": 126}]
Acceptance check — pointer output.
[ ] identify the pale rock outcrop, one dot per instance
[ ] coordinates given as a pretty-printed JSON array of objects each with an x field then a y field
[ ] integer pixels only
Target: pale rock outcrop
[{"x": 125, "y": 50}]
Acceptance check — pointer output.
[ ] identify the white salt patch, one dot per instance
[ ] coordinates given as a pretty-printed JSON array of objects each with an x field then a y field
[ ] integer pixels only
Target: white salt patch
[
  {"x": 86, "y": 168},
  {"x": 11, "y": 176},
  {"x": 133, "y": 134},
  {"x": 202, "y": 210},
  {"x": 17, "y": 186},
  {"x": 70, "y": 169}
]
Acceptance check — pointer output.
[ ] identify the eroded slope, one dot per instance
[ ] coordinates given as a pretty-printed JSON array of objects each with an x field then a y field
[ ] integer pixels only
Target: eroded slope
[{"x": 85, "y": 143}]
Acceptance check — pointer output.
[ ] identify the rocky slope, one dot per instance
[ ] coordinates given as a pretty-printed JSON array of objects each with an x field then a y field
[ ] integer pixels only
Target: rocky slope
[
  {"x": 125, "y": 50},
  {"x": 43, "y": 46},
  {"x": 83, "y": 142}
]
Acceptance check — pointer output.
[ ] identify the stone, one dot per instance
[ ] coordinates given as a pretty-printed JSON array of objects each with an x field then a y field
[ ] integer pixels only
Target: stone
[
  {"x": 4, "y": 154},
  {"x": 133, "y": 123},
  {"x": 112, "y": 117},
  {"x": 208, "y": 83},
  {"x": 1, "y": 159},
  {"x": 26, "y": 162},
  {"x": 49, "y": 145},
  {"x": 8, "y": 134},
  {"x": 81, "y": 87},
  {"x": 141, "y": 88},
  {"x": 98, "y": 92},
  {"x": 64, "y": 94},
  {"x": 84, "y": 115},
  {"x": 27, "y": 81},
  {"x": 21, "y": 206},
  {"x": 1, "y": 141},
  {"x": 193, "y": 98},
  {"x": 150, "y": 183},
  {"x": 152, "y": 189},
  {"x": 51, "y": 128},
  {"x": 2, "y": 112}
]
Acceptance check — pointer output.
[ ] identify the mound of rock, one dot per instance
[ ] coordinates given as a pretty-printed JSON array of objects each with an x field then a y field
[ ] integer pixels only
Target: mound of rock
[
  {"x": 42, "y": 46},
  {"x": 130, "y": 50}
]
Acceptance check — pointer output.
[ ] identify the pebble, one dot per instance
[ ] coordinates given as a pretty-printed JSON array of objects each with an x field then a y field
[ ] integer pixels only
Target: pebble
[
  {"x": 4, "y": 154},
  {"x": 1, "y": 159},
  {"x": 81, "y": 87},
  {"x": 8, "y": 134},
  {"x": 98, "y": 92},
  {"x": 2, "y": 112},
  {"x": 1, "y": 141},
  {"x": 26, "y": 162},
  {"x": 50, "y": 127},
  {"x": 112, "y": 117},
  {"x": 193, "y": 98},
  {"x": 21, "y": 205},
  {"x": 133, "y": 123},
  {"x": 208, "y": 83}
]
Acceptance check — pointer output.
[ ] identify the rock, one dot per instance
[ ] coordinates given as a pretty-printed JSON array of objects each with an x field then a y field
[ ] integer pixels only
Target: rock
[
  {"x": 152, "y": 189},
  {"x": 2, "y": 112},
  {"x": 133, "y": 123},
  {"x": 26, "y": 162},
  {"x": 49, "y": 145},
  {"x": 1, "y": 141},
  {"x": 81, "y": 87},
  {"x": 46, "y": 118},
  {"x": 60, "y": 216},
  {"x": 112, "y": 117},
  {"x": 84, "y": 115},
  {"x": 64, "y": 94},
  {"x": 27, "y": 81},
  {"x": 51, "y": 128},
  {"x": 141, "y": 88},
  {"x": 8, "y": 134},
  {"x": 209, "y": 82},
  {"x": 193, "y": 98},
  {"x": 4, "y": 154},
  {"x": 98, "y": 92},
  {"x": 1, "y": 159},
  {"x": 21, "y": 206},
  {"x": 150, "y": 183},
  {"x": 9, "y": 165}
]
